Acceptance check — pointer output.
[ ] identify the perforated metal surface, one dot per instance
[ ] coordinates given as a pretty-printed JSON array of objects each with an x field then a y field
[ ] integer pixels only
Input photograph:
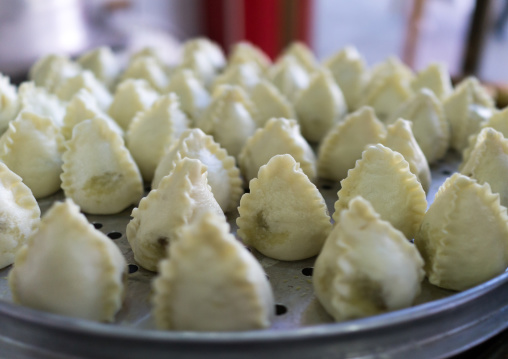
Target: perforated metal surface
[{"x": 302, "y": 328}]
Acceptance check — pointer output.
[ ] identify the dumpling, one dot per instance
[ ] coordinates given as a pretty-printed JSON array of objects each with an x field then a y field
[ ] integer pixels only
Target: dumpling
[
  {"x": 464, "y": 235},
  {"x": 51, "y": 70},
  {"x": 9, "y": 103},
  {"x": 103, "y": 63},
  {"x": 488, "y": 162},
  {"x": 279, "y": 136},
  {"x": 194, "y": 98},
  {"x": 223, "y": 175},
  {"x": 289, "y": 77},
  {"x": 269, "y": 103},
  {"x": 39, "y": 101},
  {"x": 69, "y": 268},
  {"x": 244, "y": 51},
  {"x": 349, "y": 70},
  {"x": 430, "y": 127},
  {"x": 130, "y": 97},
  {"x": 152, "y": 131},
  {"x": 366, "y": 267},
  {"x": 178, "y": 200},
  {"x": 208, "y": 262},
  {"x": 81, "y": 107},
  {"x": 384, "y": 179},
  {"x": 229, "y": 118},
  {"x": 149, "y": 69},
  {"x": 99, "y": 173},
  {"x": 301, "y": 52},
  {"x": 207, "y": 49},
  {"x": 392, "y": 67},
  {"x": 32, "y": 148},
  {"x": 436, "y": 78},
  {"x": 85, "y": 80},
  {"x": 284, "y": 216},
  {"x": 400, "y": 138},
  {"x": 19, "y": 214},
  {"x": 466, "y": 109},
  {"x": 345, "y": 142},
  {"x": 246, "y": 75},
  {"x": 320, "y": 106}
]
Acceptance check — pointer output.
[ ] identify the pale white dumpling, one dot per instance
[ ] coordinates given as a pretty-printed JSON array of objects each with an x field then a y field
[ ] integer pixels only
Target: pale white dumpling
[
  {"x": 51, "y": 70},
  {"x": 366, "y": 267},
  {"x": 430, "y": 127},
  {"x": 153, "y": 131},
  {"x": 9, "y": 103},
  {"x": 223, "y": 175},
  {"x": 244, "y": 51},
  {"x": 19, "y": 214},
  {"x": 69, "y": 268},
  {"x": 99, "y": 173},
  {"x": 177, "y": 201},
  {"x": 103, "y": 63},
  {"x": 208, "y": 49},
  {"x": 208, "y": 262},
  {"x": 436, "y": 78},
  {"x": 130, "y": 97},
  {"x": 289, "y": 77},
  {"x": 320, "y": 106},
  {"x": 194, "y": 98},
  {"x": 31, "y": 147},
  {"x": 229, "y": 118},
  {"x": 149, "y": 69},
  {"x": 85, "y": 80},
  {"x": 279, "y": 136},
  {"x": 283, "y": 216},
  {"x": 391, "y": 67},
  {"x": 269, "y": 103},
  {"x": 349, "y": 70},
  {"x": 466, "y": 109},
  {"x": 246, "y": 75},
  {"x": 464, "y": 235},
  {"x": 384, "y": 179},
  {"x": 83, "y": 106},
  {"x": 301, "y": 52},
  {"x": 345, "y": 142},
  {"x": 39, "y": 101}
]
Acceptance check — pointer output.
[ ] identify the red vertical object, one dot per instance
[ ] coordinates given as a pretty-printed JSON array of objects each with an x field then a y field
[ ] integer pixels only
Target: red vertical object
[
  {"x": 263, "y": 25},
  {"x": 304, "y": 22},
  {"x": 213, "y": 21}
]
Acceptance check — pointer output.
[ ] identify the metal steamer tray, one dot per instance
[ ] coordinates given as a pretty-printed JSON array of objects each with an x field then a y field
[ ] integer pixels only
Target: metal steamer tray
[{"x": 440, "y": 324}]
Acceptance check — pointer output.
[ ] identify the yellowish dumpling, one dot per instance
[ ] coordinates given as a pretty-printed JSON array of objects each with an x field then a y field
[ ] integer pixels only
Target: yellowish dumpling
[
  {"x": 244, "y": 51},
  {"x": 466, "y": 109},
  {"x": 103, "y": 63},
  {"x": 430, "y": 127},
  {"x": 349, "y": 70},
  {"x": 391, "y": 67},
  {"x": 51, "y": 70},
  {"x": 99, "y": 173},
  {"x": 436, "y": 78},
  {"x": 223, "y": 175},
  {"x": 279, "y": 136},
  {"x": 39, "y": 101},
  {"x": 130, "y": 97},
  {"x": 303, "y": 55},
  {"x": 320, "y": 106},
  {"x": 69, "y": 268},
  {"x": 269, "y": 102},
  {"x": 366, "y": 267},
  {"x": 9, "y": 103},
  {"x": 464, "y": 235},
  {"x": 152, "y": 131},
  {"x": 289, "y": 77},
  {"x": 229, "y": 118},
  {"x": 194, "y": 98},
  {"x": 246, "y": 75},
  {"x": 19, "y": 214},
  {"x": 85, "y": 80},
  {"x": 400, "y": 138},
  {"x": 488, "y": 162},
  {"x": 384, "y": 179},
  {"x": 207, "y": 49},
  {"x": 284, "y": 216},
  {"x": 149, "y": 69},
  {"x": 345, "y": 142},
  {"x": 210, "y": 282},
  {"x": 178, "y": 200},
  {"x": 31, "y": 147},
  {"x": 81, "y": 107}
]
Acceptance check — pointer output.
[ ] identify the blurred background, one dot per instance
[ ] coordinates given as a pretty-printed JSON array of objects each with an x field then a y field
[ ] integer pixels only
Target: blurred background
[{"x": 469, "y": 36}]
